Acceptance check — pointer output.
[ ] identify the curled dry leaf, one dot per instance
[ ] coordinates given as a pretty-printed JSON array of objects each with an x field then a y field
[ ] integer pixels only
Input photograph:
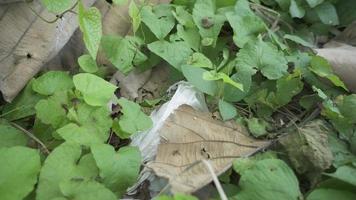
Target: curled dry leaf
[{"x": 188, "y": 137}]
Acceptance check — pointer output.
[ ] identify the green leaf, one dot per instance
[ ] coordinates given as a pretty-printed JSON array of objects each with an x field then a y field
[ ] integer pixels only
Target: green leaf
[
  {"x": 195, "y": 76},
  {"x": 119, "y": 2},
  {"x": 207, "y": 20},
  {"x": 86, "y": 190},
  {"x": 200, "y": 60},
  {"x": 18, "y": 172},
  {"x": 348, "y": 104},
  {"x": 90, "y": 25},
  {"x": 233, "y": 94},
  {"x": 23, "y": 105},
  {"x": 345, "y": 173},
  {"x": 322, "y": 68},
  {"x": 263, "y": 56},
  {"x": 298, "y": 40},
  {"x": 330, "y": 194},
  {"x": 246, "y": 25},
  {"x": 175, "y": 53},
  {"x": 123, "y": 53},
  {"x": 80, "y": 134},
  {"x": 257, "y": 127},
  {"x": 11, "y": 136},
  {"x": 268, "y": 179},
  {"x": 132, "y": 121},
  {"x": 51, "y": 82},
  {"x": 214, "y": 76},
  {"x": 57, "y": 6},
  {"x": 87, "y": 64},
  {"x": 52, "y": 111},
  {"x": 97, "y": 119},
  {"x": 227, "y": 110},
  {"x": 340, "y": 150},
  {"x": 296, "y": 10},
  {"x": 184, "y": 17},
  {"x": 96, "y": 91},
  {"x": 287, "y": 87},
  {"x": 190, "y": 36},
  {"x": 313, "y": 3},
  {"x": 346, "y": 11},
  {"x": 177, "y": 197},
  {"x": 135, "y": 15},
  {"x": 159, "y": 19},
  {"x": 119, "y": 170},
  {"x": 62, "y": 165},
  {"x": 327, "y": 13}
]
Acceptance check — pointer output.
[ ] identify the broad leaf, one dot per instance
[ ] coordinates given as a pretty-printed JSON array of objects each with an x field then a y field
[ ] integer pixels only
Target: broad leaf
[
  {"x": 123, "y": 53},
  {"x": 195, "y": 76},
  {"x": 227, "y": 110},
  {"x": 86, "y": 190},
  {"x": 322, "y": 68},
  {"x": 298, "y": 40},
  {"x": 313, "y": 3},
  {"x": 159, "y": 19},
  {"x": 208, "y": 20},
  {"x": 346, "y": 174},
  {"x": 233, "y": 94},
  {"x": 135, "y": 15},
  {"x": 330, "y": 194},
  {"x": 96, "y": 91},
  {"x": 327, "y": 13},
  {"x": 23, "y": 105},
  {"x": 214, "y": 76},
  {"x": 262, "y": 56},
  {"x": 53, "y": 111},
  {"x": 119, "y": 170},
  {"x": 132, "y": 121},
  {"x": 90, "y": 25},
  {"x": 296, "y": 10},
  {"x": 199, "y": 60},
  {"x": 11, "y": 136},
  {"x": 257, "y": 127},
  {"x": 18, "y": 172},
  {"x": 267, "y": 179},
  {"x": 51, "y": 82},
  {"x": 175, "y": 53},
  {"x": 347, "y": 106},
  {"x": 62, "y": 165},
  {"x": 87, "y": 64},
  {"x": 57, "y": 6},
  {"x": 246, "y": 25}
]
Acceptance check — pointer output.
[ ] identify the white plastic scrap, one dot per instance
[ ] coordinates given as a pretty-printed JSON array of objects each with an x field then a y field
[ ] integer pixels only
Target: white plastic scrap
[{"x": 148, "y": 141}]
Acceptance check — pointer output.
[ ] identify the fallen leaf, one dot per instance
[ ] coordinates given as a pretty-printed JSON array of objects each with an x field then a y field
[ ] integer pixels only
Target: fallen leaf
[
  {"x": 190, "y": 136},
  {"x": 20, "y": 59},
  {"x": 308, "y": 149}
]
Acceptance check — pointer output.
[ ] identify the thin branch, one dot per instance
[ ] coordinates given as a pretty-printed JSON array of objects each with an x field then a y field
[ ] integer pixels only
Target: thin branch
[
  {"x": 215, "y": 179},
  {"x": 59, "y": 16},
  {"x": 33, "y": 137}
]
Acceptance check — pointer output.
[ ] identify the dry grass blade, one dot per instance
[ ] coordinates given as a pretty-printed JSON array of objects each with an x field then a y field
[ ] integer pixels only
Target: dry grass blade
[{"x": 191, "y": 136}]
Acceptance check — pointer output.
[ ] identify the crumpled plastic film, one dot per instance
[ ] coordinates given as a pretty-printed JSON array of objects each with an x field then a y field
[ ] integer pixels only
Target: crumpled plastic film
[{"x": 148, "y": 141}]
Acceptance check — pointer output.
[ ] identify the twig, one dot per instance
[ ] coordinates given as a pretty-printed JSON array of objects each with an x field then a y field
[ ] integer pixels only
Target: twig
[
  {"x": 215, "y": 179},
  {"x": 59, "y": 16},
  {"x": 33, "y": 137}
]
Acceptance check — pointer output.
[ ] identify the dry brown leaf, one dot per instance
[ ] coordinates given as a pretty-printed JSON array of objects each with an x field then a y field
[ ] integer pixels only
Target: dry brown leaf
[
  {"x": 27, "y": 43},
  {"x": 188, "y": 137}
]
